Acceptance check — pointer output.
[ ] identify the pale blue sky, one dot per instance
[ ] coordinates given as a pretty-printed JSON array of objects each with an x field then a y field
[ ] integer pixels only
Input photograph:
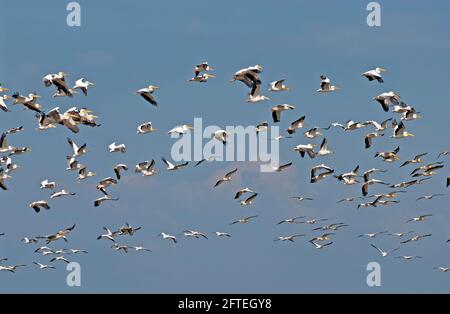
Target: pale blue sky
[{"x": 124, "y": 46}]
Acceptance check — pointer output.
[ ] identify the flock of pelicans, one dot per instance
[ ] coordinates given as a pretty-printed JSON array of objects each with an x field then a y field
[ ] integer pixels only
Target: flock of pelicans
[{"x": 324, "y": 231}]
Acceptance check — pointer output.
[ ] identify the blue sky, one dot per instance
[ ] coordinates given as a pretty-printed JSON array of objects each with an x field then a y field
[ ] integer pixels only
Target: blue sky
[{"x": 123, "y": 47}]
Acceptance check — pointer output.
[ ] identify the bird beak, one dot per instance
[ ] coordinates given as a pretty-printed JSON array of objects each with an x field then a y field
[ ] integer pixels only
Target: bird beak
[
  {"x": 211, "y": 75},
  {"x": 190, "y": 127},
  {"x": 382, "y": 70}
]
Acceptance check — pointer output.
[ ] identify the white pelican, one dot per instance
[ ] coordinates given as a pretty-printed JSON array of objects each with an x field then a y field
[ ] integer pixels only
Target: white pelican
[
  {"x": 350, "y": 199},
  {"x": 429, "y": 167},
  {"x": 368, "y": 138},
  {"x": 15, "y": 130},
  {"x": 168, "y": 237},
  {"x": 84, "y": 174},
  {"x": 73, "y": 164},
  {"x": 103, "y": 184},
  {"x": 372, "y": 235},
  {"x": 61, "y": 93},
  {"x": 365, "y": 186},
  {"x": 202, "y": 78},
  {"x": 108, "y": 235},
  {"x": 11, "y": 269},
  {"x": 282, "y": 167},
  {"x": 3, "y": 105},
  {"x": 416, "y": 238},
  {"x": 388, "y": 99},
  {"x": 38, "y": 205},
  {"x": 61, "y": 193},
  {"x": 249, "y": 200},
  {"x": 416, "y": 160},
  {"x": 419, "y": 218},
  {"x": 321, "y": 246},
  {"x": 407, "y": 184},
  {"x": 306, "y": 149},
  {"x": 442, "y": 269},
  {"x": 399, "y": 131},
  {"x": 276, "y": 111},
  {"x": 443, "y": 154},
  {"x": 150, "y": 170},
  {"x": 227, "y": 177},
  {"x": 400, "y": 234},
  {"x": 26, "y": 240},
  {"x": 290, "y": 220},
  {"x": 181, "y": 129},
  {"x": 222, "y": 234},
  {"x": 333, "y": 227},
  {"x": 349, "y": 178},
  {"x": 102, "y": 199},
  {"x": 249, "y": 76},
  {"x": 255, "y": 95},
  {"x": 118, "y": 168},
  {"x": 204, "y": 66},
  {"x": 220, "y": 135},
  {"x": 410, "y": 114},
  {"x": 61, "y": 234},
  {"x": 59, "y": 258},
  {"x": 297, "y": 124},
  {"x": 316, "y": 177},
  {"x": 323, "y": 151},
  {"x": 325, "y": 86},
  {"x": 194, "y": 234},
  {"x": 145, "y": 128},
  {"x": 314, "y": 132},
  {"x": 118, "y": 247},
  {"x": 289, "y": 238},
  {"x": 128, "y": 229},
  {"x": 263, "y": 126},
  {"x": 379, "y": 127},
  {"x": 171, "y": 166},
  {"x": 209, "y": 158},
  {"x": 384, "y": 253},
  {"x": 389, "y": 156},
  {"x": 19, "y": 150},
  {"x": 323, "y": 237},
  {"x": 142, "y": 166},
  {"x": 140, "y": 249},
  {"x": 242, "y": 191},
  {"x": 113, "y": 147},
  {"x": 278, "y": 86},
  {"x": 374, "y": 74},
  {"x": 28, "y": 101},
  {"x": 59, "y": 81},
  {"x": 77, "y": 151},
  {"x": 350, "y": 125},
  {"x": 147, "y": 94},
  {"x": 42, "y": 266},
  {"x": 82, "y": 84},
  {"x": 243, "y": 220}
]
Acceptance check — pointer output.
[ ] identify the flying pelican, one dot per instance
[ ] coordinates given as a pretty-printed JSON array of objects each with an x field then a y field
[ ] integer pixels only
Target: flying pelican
[
  {"x": 313, "y": 221},
  {"x": 38, "y": 205},
  {"x": 59, "y": 81},
  {"x": 220, "y": 135},
  {"x": 442, "y": 154},
  {"x": 243, "y": 220},
  {"x": 416, "y": 238},
  {"x": 76, "y": 251},
  {"x": 306, "y": 149},
  {"x": 417, "y": 159},
  {"x": 325, "y": 86},
  {"x": 263, "y": 126},
  {"x": 118, "y": 168},
  {"x": 140, "y": 249},
  {"x": 61, "y": 234},
  {"x": 61, "y": 193},
  {"x": 171, "y": 166},
  {"x": 108, "y": 235},
  {"x": 289, "y": 237},
  {"x": 399, "y": 131},
  {"x": 27, "y": 240},
  {"x": 408, "y": 183},
  {"x": 350, "y": 199},
  {"x": 102, "y": 199},
  {"x": 194, "y": 234},
  {"x": 227, "y": 177},
  {"x": 255, "y": 95},
  {"x": 59, "y": 258},
  {"x": 379, "y": 127},
  {"x": 321, "y": 238},
  {"x": 204, "y": 66},
  {"x": 297, "y": 124},
  {"x": 249, "y": 76},
  {"x": 282, "y": 167},
  {"x": 419, "y": 218},
  {"x": 314, "y": 132},
  {"x": 149, "y": 170},
  {"x": 384, "y": 253},
  {"x": 408, "y": 257},
  {"x": 389, "y": 156},
  {"x": 316, "y": 177},
  {"x": 429, "y": 197},
  {"x": 180, "y": 130},
  {"x": 368, "y": 138},
  {"x": 400, "y": 234},
  {"x": 429, "y": 167},
  {"x": 388, "y": 99},
  {"x": 365, "y": 186},
  {"x": 278, "y": 86},
  {"x": 28, "y": 101},
  {"x": 128, "y": 229},
  {"x": 290, "y": 220},
  {"x": 371, "y": 235},
  {"x": 73, "y": 164},
  {"x": 242, "y": 191},
  {"x": 333, "y": 227},
  {"x": 117, "y": 148},
  {"x": 442, "y": 269},
  {"x": 11, "y": 269},
  {"x": 42, "y": 266},
  {"x": 77, "y": 151},
  {"x": 84, "y": 174},
  {"x": 145, "y": 128},
  {"x": 82, "y": 84},
  {"x": 222, "y": 234},
  {"x": 118, "y": 247},
  {"x": 249, "y": 200},
  {"x": 321, "y": 246},
  {"x": 3, "y": 105},
  {"x": 168, "y": 237},
  {"x": 374, "y": 74},
  {"x": 147, "y": 94},
  {"x": 202, "y": 78},
  {"x": 349, "y": 178},
  {"x": 324, "y": 151},
  {"x": 103, "y": 184},
  {"x": 410, "y": 114},
  {"x": 276, "y": 111}
]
